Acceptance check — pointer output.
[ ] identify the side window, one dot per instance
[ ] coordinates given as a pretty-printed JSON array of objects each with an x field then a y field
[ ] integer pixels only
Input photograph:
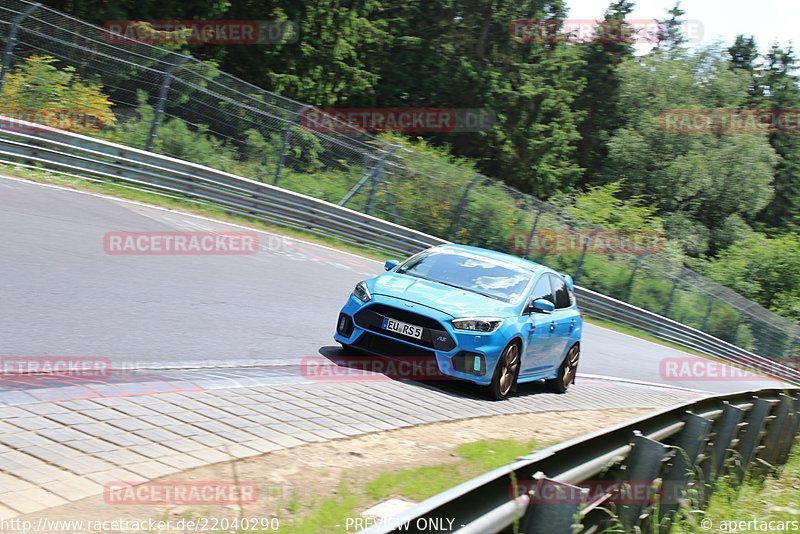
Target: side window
[
  {"x": 543, "y": 290},
  {"x": 561, "y": 292}
]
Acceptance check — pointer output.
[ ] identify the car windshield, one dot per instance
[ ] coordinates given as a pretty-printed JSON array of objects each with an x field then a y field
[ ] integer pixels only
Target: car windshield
[{"x": 471, "y": 272}]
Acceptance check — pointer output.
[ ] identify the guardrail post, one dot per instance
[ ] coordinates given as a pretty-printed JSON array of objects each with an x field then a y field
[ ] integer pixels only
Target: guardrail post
[
  {"x": 12, "y": 41},
  {"x": 756, "y": 420},
  {"x": 789, "y": 433},
  {"x": 726, "y": 429},
  {"x": 162, "y": 100},
  {"x": 462, "y": 206},
  {"x": 723, "y": 436},
  {"x": 642, "y": 465},
  {"x": 772, "y": 441},
  {"x": 543, "y": 516},
  {"x": 688, "y": 447},
  {"x": 287, "y": 137}
]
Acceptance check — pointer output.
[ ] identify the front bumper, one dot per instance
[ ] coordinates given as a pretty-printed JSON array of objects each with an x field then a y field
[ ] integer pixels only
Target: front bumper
[{"x": 465, "y": 355}]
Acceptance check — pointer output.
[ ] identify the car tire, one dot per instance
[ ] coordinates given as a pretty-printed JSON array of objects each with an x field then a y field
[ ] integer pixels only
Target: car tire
[
  {"x": 506, "y": 371},
  {"x": 566, "y": 373}
]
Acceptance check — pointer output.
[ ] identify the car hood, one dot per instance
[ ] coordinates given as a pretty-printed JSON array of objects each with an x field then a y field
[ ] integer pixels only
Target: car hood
[{"x": 446, "y": 299}]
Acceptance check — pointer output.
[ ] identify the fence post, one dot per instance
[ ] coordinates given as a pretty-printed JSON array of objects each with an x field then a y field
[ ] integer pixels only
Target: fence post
[
  {"x": 579, "y": 269},
  {"x": 12, "y": 41},
  {"x": 370, "y": 175},
  {"x": 463, "y": 206},
  {"x": 162, "y": 100},
  {"x": 533, "y": 231},
  {"x": 709, "y": 309},
  {"x": 287, "y": 137},
  {"x": 636, "y": 263},
  {"x": 671, "y": 299},
  {"x": 380, "y": 178}
]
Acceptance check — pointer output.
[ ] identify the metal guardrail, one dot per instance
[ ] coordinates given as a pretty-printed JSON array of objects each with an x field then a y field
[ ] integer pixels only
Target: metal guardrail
[
  {"x": 604, "y": 307},
  {"x": 37, "y": 146},
  {"x": 634, "y": 475}
]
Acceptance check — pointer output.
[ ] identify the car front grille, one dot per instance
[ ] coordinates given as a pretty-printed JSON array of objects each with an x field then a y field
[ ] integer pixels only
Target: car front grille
[
  {"x": 389, "y": 347},
  {"x": 434, "y": 335}
]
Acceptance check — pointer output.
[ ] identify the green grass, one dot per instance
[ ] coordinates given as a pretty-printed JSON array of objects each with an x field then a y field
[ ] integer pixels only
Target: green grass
[
  {"x": 758, "y": 499},
  {"x": 771, "y": 499},
  {"x": 416, "y": 484}
]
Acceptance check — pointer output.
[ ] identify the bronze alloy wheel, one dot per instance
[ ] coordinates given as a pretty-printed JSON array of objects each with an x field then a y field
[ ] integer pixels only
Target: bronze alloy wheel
[
  {"x": 508, "y": 374},
  {"x": 505, "y": 374},
  {"x": 571, "y": 365},
  {"x": 566, "y": 373}
]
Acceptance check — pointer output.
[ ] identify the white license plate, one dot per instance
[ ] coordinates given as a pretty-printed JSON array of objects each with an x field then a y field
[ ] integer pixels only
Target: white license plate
[{"x": 402, "y": 328}]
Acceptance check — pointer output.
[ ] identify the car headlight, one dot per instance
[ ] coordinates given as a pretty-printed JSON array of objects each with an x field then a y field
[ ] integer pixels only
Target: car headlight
[
  {"x": 478, "y": 324},
  {"x": 361, "y": 292}
]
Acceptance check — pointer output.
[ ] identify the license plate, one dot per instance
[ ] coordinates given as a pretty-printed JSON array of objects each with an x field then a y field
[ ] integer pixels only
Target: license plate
[{"x": 400, "y": 327}]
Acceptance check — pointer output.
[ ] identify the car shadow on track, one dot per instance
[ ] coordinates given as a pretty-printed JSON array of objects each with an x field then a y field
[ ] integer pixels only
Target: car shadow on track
[{"x": 413, "y": 371}]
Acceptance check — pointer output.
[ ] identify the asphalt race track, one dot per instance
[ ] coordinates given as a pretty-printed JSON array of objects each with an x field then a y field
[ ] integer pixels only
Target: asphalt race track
[{"x": 62, "y": 294}]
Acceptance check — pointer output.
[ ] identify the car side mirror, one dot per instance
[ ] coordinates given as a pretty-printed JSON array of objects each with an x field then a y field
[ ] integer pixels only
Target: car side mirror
[
  {"x": 541, "y": 306},
  {"x": 390, "y": 264}
]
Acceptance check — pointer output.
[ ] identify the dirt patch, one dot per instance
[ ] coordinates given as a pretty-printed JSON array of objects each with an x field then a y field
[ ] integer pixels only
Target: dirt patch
[{"x": 313, "y": 472}]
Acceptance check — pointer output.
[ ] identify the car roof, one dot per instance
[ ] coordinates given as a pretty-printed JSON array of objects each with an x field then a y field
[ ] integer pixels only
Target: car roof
[{"x": 500, "y": 257}]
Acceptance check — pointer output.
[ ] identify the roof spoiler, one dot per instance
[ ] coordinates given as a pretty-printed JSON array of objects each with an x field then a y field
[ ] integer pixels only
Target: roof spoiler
[{"x": 570, "y": 282}]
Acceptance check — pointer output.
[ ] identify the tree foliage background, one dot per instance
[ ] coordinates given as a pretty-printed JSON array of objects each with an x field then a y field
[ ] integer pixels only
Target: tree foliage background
[{"x": 573, "y": 118}]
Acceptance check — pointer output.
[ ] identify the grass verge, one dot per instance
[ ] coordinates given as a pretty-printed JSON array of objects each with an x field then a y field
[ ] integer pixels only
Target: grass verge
[
  {"x": 768, "y": 504},
  {"x": 417, "y": 484}
]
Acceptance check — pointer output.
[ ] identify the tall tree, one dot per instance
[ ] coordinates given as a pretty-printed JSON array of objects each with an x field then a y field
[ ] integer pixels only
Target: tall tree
[
  {"x": 459, "y": 54},
  {"x": 599, "y": 101},
  {"x": 707, "y": 186},
  {"x": 782, "y": 95},
  {"x": 744, "y": 56},
  {"x": 670, "y": 34}
]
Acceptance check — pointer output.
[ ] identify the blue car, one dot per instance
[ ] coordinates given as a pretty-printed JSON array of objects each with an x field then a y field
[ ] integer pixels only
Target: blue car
[{"x": 486, "y": 317}]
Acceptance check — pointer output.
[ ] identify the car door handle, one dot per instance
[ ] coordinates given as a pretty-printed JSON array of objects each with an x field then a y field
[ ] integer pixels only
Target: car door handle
[
  {"x": 572, "y": 324},
  {"x": 553, "y": 326}
]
